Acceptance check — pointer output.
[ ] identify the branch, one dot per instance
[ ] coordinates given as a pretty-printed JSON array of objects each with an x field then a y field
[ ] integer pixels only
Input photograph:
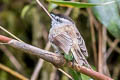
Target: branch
[
  {"x": 5, "y": 68},
  {"x": 56, "y": 59},
  {"x": 91, "y": 19}
]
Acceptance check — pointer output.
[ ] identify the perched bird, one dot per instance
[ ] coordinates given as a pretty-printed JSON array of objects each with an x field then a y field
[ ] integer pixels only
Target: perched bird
[{"x": 65, "y": 36}]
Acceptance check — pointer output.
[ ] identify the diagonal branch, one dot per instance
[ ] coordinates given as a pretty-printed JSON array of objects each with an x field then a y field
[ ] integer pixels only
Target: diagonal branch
[
  {"x": 14, "y": 73},
  {"x": 56, "y": 59}
]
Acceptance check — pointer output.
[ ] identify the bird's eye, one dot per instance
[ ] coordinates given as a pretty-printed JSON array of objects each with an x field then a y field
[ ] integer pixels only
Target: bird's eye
[{"x": 57, "y": 19}]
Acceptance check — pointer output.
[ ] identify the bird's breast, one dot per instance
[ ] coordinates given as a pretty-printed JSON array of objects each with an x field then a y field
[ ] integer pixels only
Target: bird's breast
[{"x": 63, "y": 29}]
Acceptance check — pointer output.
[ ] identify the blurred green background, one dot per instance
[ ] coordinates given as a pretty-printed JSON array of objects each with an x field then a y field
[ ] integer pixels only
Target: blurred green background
[{"x": 99, "y": 26}]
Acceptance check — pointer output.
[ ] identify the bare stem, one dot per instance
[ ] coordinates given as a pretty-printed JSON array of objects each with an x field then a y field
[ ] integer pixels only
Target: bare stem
[
  {"x": 44, "y": 8},
  {"x": 93, "y": 35},
  {"x": 5, "y": 68}
]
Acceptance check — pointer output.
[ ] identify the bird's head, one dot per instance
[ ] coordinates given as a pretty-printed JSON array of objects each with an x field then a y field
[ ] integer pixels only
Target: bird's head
[{"x": 60, "y": 20}]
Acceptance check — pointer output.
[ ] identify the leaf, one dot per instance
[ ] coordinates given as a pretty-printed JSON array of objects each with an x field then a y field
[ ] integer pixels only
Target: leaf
[
  {"x": 78, "y": 4},
  {"x": 26, "y": 9},
  {"x": 108, "y": 16},
  {"x": 51, "y": 6},
  {"x": 68, "y": 57},
  {"x": 75, "y": 75},
  {"x": 84, "y": 77}
]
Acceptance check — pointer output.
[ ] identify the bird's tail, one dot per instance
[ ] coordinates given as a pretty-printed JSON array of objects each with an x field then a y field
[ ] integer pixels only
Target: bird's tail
[{"x": 79, "y": 57}]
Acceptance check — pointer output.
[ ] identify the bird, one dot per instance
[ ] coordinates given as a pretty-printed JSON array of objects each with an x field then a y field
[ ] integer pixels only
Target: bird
[{"x": 65, "y": 37}]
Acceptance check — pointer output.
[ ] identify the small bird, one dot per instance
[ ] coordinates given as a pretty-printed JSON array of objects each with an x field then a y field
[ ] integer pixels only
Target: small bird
[{"x": 65, "y": 36}]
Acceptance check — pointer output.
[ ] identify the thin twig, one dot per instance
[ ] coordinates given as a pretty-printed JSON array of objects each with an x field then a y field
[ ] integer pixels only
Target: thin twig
[
  {"x": 5, "y": 68},
  {"x": 37, "y": 69},
  {"x": 13, "y": 60},
  {"x": 90, "y": 72},
  {"x": 100, "y": 54},
  {"x": 68, "y": 11},
  {"x": 110, "y": 43},
  {"x": 117, "y": 49},
  {"x": 93, "y": 35},
  {"x": 116, "y": 72},
  {"x": 44, "y": 8},
  {"x": 10, "y": 33},
  {"x": 114, "y": 44},
  {"x": 53, "y": 74},
  {"x": 65, "y": 74},
  {"x": 104, "y": 40}
]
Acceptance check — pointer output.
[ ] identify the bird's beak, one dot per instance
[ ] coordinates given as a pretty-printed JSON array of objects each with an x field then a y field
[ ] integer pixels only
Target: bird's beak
[{"x": 53, "y": 16}]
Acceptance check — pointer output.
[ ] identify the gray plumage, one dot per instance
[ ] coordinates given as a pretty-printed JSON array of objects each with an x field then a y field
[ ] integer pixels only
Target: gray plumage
[{"x": 65, "y": 36}]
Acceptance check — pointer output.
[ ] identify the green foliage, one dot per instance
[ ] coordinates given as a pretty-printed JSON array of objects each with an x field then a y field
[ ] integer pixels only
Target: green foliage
[
  {"x": 109, "y": 16},
  {"x": 69, "y": 56},
  {"x": 75, "y": 75},
  {"x": 77, "y": 4},
  {"x": 84, "y": 77},
  {"x": 3, "y": 75},
  {"x": 26, "y": 9},
  {"x": 31, "y": 24},
  {"x": 78, "y": 75},
  {"x": 52, "y": 6}
]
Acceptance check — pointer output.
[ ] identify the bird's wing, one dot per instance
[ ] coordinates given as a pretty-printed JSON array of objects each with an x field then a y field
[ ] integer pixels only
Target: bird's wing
[
  {"x": 63, "y": 41},
  {"x": 81, "y": 43},
  {"x": 79, "y": 57}
]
